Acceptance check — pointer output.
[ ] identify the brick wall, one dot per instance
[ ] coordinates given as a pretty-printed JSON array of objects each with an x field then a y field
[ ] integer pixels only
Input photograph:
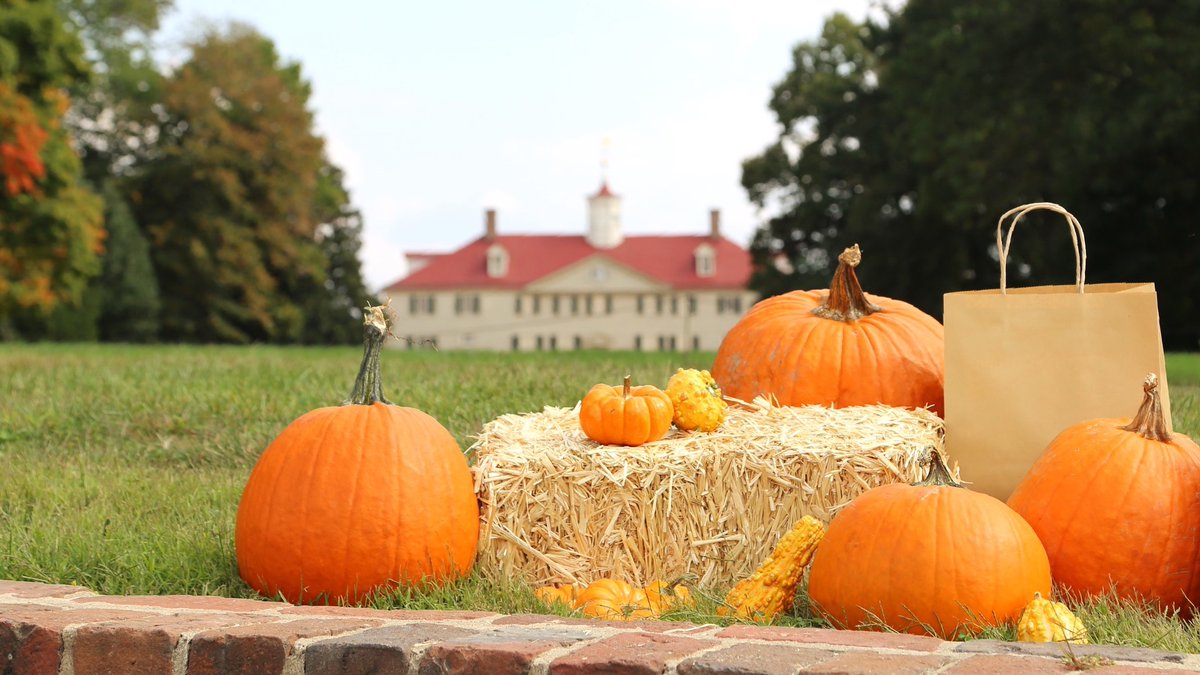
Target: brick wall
[{"x": 67, "y": 630}]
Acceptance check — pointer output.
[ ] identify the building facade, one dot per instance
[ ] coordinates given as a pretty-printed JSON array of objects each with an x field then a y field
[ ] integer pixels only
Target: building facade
[{"x": 601, "y": 290}]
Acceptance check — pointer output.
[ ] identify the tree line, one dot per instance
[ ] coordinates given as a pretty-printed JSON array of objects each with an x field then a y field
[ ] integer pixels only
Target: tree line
[
  {"x": 198, "y": 204},
  {"x": 912, "y": 132},
  {"x": 137, "y": 203}
]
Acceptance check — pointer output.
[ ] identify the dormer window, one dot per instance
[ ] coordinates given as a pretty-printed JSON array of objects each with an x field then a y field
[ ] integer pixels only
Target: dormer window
[
  {"x": 706, "y": 260},
  {"x": 497, "y": 261}
]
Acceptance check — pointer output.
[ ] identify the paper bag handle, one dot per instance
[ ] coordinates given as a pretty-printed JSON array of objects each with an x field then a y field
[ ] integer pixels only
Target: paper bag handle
[{"x": 1077, "y": 240}]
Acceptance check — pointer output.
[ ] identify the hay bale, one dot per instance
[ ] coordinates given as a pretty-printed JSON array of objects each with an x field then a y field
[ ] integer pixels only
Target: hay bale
[{"x": 558, "y": 507}]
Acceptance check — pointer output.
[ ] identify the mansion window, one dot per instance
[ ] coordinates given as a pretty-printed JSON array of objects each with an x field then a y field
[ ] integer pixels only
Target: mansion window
[
  {"x": 516, "y": 343},
  {"x": 695, "y": 343},
  {"x": 729, "y": 304},
  {"x": 466, "y": 304},
  {"x": 691, "y": 307},
  {"x": 706, "y": 260},
  {"x": 517, "y": 305},
  {"x": 608, "y": 304},
  {"x": 421, "y": 304},
  {"x": 658, "y": 304},
  {"x": 637, "y": 343},
  {"x": 497, "y": 261},
  {"x": 666, "y": 343}
]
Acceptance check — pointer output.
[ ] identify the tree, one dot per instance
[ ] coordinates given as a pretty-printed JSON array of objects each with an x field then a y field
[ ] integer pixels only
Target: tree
[
  {"x": 228, "y": 198},
  {"x": 967, "y": 109},
  {"x": 126, "y": 291},
  {"x": 333, "y": 313},
  {"x": 50, "y": 233},
  {"x": 112, "y": 116}
]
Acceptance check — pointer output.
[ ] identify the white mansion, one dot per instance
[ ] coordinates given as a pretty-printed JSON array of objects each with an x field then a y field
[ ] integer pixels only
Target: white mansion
[{"x": 560, "y": 292}]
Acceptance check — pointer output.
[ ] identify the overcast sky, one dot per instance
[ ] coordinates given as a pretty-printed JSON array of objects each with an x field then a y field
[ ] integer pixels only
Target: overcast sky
[{"x": 438, "y": 110}]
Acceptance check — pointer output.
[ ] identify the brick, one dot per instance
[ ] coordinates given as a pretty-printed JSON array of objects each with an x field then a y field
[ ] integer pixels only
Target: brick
[
  {"x": 504, "y": 651},
  {"x": 1004, "y": 664},
  {"x": 629, "y": 654},
  {"x": 377, "y": 650},
  {"x": 28, "y": 589},
  {"x": 31, "y": 636},
  {"x": 29, "y": 649},
  {"x": 388, "y": 614},
  {"x": 259, "y": 648},
  {"x": 864, "y": 662},
  {"x": 1054, "y": 649},
  {"x": 840, "y": 638},
  {"x": 204, "y": 602},
  {"x": 645, "y": 625},
  {"x": 142, "y": 645},
  {"x": 754, "y": 659}
]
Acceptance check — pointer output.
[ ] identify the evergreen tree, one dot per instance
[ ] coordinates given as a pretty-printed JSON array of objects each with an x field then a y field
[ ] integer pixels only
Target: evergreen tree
[
  {"x": 126, "y": 292},
  {"x": 333, "y": 313}
]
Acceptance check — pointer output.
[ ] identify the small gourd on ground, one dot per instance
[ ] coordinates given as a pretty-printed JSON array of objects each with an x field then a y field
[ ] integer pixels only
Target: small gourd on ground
[
  {"x": 771, "y": 589},
  {"x": 559, "y": 593},
  {"x": 1048, "y": 621},
  {"x": 696, "y": 399},
  {"x": 352, "y": 499},
  {"x": 627, "y": 416},
  {"x": 618, "y": 600}
]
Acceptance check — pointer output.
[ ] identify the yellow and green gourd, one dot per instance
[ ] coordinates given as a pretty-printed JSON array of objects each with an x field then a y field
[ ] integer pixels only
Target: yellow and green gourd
[
  {"x": 1047, "y": 621},
  {"x": 697, "y": 400}
]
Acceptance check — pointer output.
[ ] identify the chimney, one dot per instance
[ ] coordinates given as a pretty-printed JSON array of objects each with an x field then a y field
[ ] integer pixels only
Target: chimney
[
  {"x": 714, "y": 219},
  {"x": 489, "y": 231}
]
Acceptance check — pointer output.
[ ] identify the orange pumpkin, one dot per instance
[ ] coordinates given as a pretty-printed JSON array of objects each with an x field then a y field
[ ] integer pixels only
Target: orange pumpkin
[
  {"x": 354, "y": 498},
  {"x": 840, "y": 347},
  {"x": 613, "y": 599},
  {"x": 933, "y": 557},
  {"x": 1116, "y": 502},
  {"x": 560, "y": 593},
  {"x": 629, "y": 416}
]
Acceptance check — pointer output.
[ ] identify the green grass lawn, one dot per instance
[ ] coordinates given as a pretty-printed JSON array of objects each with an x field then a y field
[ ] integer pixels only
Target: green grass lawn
[{"x": 121, "y": 467}]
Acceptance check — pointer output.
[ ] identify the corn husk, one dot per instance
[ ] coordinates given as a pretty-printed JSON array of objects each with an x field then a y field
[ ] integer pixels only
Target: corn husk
[{"x": 558, "y": 507}]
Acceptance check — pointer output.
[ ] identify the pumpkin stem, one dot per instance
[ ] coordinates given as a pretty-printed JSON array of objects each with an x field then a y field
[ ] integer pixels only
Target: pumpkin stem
[
  {"x": 846, "y": 300},
  {"x": 628, "y": 386},
  {"x": 1149, "y": 422},
  {"x": 939, "y": 473},
  {"x": 368, "y": 386}
]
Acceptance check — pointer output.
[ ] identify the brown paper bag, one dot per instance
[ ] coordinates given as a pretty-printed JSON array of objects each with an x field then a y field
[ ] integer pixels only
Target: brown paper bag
[{"x": 1022, "y": 364}]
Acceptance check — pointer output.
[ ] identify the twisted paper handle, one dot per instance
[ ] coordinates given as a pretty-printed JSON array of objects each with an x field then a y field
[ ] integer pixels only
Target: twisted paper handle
[{"x": 1004, "y": 242}]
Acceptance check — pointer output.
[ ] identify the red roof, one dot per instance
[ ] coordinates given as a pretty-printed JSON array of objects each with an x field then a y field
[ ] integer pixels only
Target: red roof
[
  {"x": 604, "y": 191},
  {"x": 667, "y": 259}
]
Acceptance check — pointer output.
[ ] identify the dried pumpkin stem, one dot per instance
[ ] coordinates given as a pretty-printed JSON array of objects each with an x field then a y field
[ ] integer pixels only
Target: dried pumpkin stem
[
  {"x": 846, "y": 300},
  {"x": 628, "y": 386},
  {"x": 368, "y": 386},
  {"x": 939, "y": 473},
  {"x": 1149, "y": 422}
]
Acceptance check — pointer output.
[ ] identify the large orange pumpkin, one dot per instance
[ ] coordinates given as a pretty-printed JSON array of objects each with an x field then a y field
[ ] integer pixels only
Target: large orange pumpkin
[
  {"x": 1116, "y": 502},
  {"x": 933, "y": 557},
  {"x": 840, "y": 347},
  {"x": 354, "y": 498}
]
